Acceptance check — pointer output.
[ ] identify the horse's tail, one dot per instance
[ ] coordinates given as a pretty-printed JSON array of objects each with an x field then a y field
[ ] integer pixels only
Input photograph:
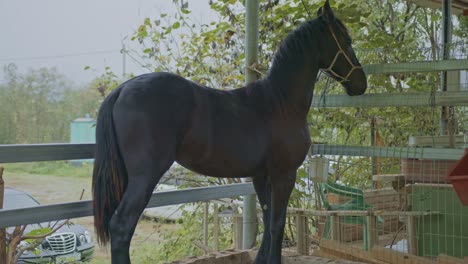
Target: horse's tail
[{"x": 109, "y": 174}]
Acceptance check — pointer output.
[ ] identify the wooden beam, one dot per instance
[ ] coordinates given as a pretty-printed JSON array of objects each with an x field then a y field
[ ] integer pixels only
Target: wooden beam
[
  {"x": 392, "y": 256},
  {"x": 448, "y": 98},
  {"x": 348, "y": 252},
  {"x": 303, "y": 259},
  {"x": 223, "y": 257},
  {"x": 388, "y": 177},
  {"x": 444, "y": 259}
]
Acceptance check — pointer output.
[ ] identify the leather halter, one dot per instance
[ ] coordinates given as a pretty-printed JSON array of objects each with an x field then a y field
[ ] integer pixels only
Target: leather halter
[{"x": 330, "y": 70}]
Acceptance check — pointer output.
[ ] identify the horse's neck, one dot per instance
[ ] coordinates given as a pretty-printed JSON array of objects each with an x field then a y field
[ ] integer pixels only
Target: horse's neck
[
  {"x": 295, "y": 67},
  {"x": 293, "y": 84}
]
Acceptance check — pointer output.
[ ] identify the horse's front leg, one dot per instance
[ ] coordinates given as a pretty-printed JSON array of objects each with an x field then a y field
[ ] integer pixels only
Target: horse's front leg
[
  {"x": 281, "y": 188},
  {"x": 263, "y": 189}
]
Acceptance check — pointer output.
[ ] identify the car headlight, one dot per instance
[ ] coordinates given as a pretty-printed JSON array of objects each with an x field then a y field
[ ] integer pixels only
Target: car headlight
[
  {"x": 88, "y": 236},
  {"x": 82, "y": 239},
  {"x": 85, "y": 237}
]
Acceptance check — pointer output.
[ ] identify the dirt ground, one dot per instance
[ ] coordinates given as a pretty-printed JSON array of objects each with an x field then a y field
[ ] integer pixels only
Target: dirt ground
[{"x": 49, "y": 189}]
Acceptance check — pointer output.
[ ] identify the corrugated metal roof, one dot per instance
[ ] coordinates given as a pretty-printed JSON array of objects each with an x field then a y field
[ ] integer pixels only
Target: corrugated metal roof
[{"x": 458, "y": 6}]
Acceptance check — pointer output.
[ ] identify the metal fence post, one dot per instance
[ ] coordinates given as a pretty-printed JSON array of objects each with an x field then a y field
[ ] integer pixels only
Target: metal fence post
[{"x": 251, "y": 55}]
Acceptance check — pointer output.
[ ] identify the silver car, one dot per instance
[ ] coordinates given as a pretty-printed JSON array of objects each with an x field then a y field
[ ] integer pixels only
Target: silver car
[{"x": 72, "y": 243}]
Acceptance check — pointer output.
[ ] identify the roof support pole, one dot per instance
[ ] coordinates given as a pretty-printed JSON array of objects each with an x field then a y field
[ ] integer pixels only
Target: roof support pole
[
  {"x": 251, "y": 56},
  {"x": 446, "y": 41}
]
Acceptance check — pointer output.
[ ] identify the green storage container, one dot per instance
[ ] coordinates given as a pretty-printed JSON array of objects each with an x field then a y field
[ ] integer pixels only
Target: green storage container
[
  {"x": 444, "y": 233},
  {"x": 83, "y": 130}
]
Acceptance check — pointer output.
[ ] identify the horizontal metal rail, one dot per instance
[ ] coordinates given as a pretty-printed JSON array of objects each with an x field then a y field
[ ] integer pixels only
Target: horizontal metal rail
[
  {"x": 312, "y": 212},
  {"x": 420, "y": 66},
  {"x": 393, "y": 100},
  {"x": 388, "y": 152},
  {"x": 45, "y": 152},
  {"x": 46, "y": 213}
]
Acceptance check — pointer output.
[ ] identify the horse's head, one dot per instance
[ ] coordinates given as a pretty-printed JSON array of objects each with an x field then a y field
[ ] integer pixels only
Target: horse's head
[{"x": 337, "y": 57}]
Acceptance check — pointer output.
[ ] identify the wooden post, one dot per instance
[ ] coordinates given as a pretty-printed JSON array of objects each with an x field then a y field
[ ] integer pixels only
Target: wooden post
[
  {"x": 372, "y": 234},
  {"x": 335, "y": 227},
  {"x": 205, "y": 225},
  {"x": 302, "y": 234},
  {"x": 374, "y": 160},
  {"x": 2, "y": 230},
  {"x": 215, "y": 228},
  {"x": 411, "y": 232},
  {"x": 238, "y": 230}
]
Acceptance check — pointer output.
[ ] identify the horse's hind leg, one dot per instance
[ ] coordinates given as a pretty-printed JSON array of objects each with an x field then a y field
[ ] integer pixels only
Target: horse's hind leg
[
  {"x": 141, "y": 184},
  {"x": 148, "y": 152}
]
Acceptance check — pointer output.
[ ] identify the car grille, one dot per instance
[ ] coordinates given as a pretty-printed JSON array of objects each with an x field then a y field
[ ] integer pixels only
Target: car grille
[{"x": 62, "y": 243}]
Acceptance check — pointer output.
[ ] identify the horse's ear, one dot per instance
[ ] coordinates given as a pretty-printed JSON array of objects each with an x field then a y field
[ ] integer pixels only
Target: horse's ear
[
  {"x": 327, "y": 12},
  {"x": 320, "y": 11}
]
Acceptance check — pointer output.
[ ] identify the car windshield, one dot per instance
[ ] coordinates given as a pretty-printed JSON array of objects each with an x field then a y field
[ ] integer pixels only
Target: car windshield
[{"x": 15, "y": 199}]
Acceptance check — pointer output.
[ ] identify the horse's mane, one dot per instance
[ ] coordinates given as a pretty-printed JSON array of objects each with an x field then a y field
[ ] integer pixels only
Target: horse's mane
[
  {"x": 295, "y": 46},
  {"x": 299, "y": 42},
  {"x": 294, "y": 51}
]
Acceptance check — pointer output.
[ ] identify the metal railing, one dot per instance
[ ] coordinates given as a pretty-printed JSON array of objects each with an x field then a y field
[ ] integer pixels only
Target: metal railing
[{"x": 52, "y": 152}]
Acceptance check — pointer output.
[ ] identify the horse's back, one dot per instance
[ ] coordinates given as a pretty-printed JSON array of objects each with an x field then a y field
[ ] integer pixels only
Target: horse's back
[
  {"x": 210, "y": 131},
  {"x": 152, "y": 113}
]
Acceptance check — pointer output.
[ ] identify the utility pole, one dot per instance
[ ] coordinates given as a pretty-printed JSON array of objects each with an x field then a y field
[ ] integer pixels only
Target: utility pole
[
  {"x": 250, "y": 224},
  {"x": 124, "y": 57}
]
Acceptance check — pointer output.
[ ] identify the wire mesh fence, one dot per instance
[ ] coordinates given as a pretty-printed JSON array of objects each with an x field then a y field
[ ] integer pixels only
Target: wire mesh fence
[
  {"x": 456, "y": 50},
  {"x": 386, "y": 197}
]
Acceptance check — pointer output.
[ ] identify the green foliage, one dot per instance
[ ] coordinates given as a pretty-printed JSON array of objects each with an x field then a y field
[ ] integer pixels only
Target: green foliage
[
  {"x": 181, "y": 242},
  {"x": 104, "y": 83},
  {"x": 462, "y": 30},
  {"x": 38, "y": 232},
  {"x": 38, "y": 106}
]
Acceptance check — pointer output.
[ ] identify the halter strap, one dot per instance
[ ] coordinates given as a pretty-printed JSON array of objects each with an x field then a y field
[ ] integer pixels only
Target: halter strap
[{"x": 330, "y": 70}]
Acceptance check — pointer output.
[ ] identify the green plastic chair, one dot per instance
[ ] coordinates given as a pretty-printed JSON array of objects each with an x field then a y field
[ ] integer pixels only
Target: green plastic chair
[{"x": 355, "y": 204}]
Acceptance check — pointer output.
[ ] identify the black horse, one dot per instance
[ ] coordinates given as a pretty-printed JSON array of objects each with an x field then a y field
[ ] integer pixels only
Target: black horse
[{"x": 257, "y": 131}]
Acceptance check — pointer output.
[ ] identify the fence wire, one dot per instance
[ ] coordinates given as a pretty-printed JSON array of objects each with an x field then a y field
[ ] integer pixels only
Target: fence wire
[{"x": 386, "y": 197}]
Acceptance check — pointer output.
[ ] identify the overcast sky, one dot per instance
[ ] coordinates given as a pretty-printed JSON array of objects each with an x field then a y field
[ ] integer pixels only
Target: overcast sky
[{"x": 71, "y": 34}]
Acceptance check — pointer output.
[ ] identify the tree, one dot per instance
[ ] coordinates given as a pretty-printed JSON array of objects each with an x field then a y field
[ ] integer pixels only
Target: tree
[
  {"x": 30, "y": 103},
  {"x": 38, "y": 106}
]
